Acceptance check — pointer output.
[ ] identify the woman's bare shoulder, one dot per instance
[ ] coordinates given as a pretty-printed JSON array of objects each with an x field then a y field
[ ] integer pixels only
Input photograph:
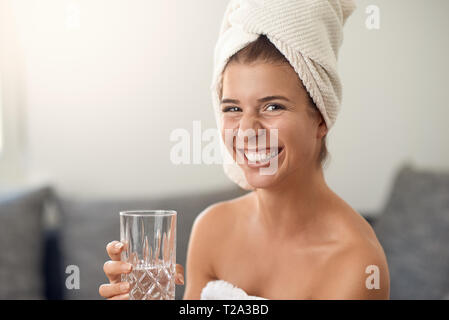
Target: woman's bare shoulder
[
  {"x": 358, "y": 267},
  {"x": 224, "y": 212},
  {"x": 358, "y": 271},
  {"x": 348, "y": 225}
]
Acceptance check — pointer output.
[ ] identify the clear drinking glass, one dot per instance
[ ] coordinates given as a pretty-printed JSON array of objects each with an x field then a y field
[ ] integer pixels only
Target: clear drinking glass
[{"x": 149, "y": 238}]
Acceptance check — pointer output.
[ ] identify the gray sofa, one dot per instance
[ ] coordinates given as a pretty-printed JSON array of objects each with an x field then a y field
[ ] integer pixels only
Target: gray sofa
[
  {"x": 413, "y": 229},
  {"x": 414, "y": 232}
]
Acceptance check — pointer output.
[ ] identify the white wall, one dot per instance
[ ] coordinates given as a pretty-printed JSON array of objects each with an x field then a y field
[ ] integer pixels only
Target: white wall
[
  {"x": 103, "y": 92},
  {"x": 395, "y": 99},
  {"x": 12, "y": 102}
]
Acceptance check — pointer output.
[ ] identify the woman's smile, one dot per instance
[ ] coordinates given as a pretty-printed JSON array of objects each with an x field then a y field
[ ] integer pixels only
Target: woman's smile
[{"x": 260, "y": 158}]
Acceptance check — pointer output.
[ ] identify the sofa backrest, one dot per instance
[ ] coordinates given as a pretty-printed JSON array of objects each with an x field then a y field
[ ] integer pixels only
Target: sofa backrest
[
  {"x": 414, "y": 232},
  {"x": 22, "y": 239}
]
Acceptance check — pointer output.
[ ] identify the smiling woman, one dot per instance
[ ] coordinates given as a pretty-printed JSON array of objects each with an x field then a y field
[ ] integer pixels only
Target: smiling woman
[
  {"x": 292, "y": 237},
  {"x": 263, "y": 51},
  {"x": 299, "y": 129}
]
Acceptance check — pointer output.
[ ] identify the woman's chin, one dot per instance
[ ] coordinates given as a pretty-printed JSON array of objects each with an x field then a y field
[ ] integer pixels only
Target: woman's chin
[{"x": 259, "y": 181}]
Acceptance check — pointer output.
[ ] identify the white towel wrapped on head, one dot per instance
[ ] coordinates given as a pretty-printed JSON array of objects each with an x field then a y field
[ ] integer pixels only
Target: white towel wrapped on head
[{"x": 309, "y": 34}]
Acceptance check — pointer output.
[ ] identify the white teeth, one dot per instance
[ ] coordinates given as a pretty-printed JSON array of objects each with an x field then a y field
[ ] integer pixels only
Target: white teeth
[{"x": 261, "y": 156}]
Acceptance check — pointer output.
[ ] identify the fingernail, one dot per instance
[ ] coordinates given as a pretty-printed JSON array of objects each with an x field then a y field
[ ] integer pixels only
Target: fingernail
[
  {"x": 127, "y": 267},
  {"x": 118, "y": 245},
  {"x": 181, "y": 278},
  {"x": 124, "y": 286}
]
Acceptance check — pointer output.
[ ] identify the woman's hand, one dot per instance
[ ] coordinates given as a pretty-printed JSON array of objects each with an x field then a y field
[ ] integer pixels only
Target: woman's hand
[{"x": 116, "y": 289}]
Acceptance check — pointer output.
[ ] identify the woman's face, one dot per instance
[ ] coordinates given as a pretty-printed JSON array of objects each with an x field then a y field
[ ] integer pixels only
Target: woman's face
[{"x": 299, "y": 128}]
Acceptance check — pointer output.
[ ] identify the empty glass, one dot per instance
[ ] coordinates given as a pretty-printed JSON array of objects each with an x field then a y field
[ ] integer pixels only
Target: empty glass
[{"x": 149, "y": 238}]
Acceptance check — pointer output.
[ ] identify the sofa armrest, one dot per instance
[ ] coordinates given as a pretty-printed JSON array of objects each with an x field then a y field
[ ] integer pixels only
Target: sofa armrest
[{"x": 52, "y": 266}]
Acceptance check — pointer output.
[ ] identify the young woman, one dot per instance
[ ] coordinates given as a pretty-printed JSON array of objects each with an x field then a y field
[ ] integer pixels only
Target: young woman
[{"x": 291, "y": 237}]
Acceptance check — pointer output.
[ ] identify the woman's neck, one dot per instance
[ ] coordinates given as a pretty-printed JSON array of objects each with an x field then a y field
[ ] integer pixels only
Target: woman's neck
[{"x": 292, "y": 205}]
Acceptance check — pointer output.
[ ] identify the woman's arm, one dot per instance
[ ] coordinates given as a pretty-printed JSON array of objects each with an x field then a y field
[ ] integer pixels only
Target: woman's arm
[{"x": 201, "y": 251}]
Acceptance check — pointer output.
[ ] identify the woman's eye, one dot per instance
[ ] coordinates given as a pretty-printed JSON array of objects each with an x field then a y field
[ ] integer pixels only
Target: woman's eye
[
  {"x": 230, "y": 109},
  {"x": 271, "y": 107},
  {"x": 275, "y": 107}
]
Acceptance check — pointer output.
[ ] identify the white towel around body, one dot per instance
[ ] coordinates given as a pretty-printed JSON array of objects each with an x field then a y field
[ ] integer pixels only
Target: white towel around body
[{"x": 223, "y": 290}]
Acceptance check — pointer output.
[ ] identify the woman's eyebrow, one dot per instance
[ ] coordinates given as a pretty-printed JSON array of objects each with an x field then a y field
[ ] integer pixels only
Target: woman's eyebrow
[{"x": 265, "y": 99}]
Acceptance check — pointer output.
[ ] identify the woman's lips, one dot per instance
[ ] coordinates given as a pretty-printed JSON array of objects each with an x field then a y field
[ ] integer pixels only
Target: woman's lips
[{"x": 262, "y": 158}]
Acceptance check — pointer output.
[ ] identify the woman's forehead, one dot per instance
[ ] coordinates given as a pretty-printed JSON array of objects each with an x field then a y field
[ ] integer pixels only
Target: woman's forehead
[{"x": 240, "y": 80}]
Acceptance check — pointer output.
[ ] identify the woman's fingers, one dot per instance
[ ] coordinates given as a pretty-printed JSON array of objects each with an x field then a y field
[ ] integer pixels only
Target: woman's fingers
[
  {"x": 114, "y": 248},
  {"x": 179, "y": 278},
  {"x": 113, "y": 290},
  {"x": 113, "y": 269},
  {"x": 120, "y": 297}
]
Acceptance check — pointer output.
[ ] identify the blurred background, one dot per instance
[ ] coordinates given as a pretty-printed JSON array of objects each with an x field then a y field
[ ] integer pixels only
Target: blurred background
[{"x": 90, "y": 91}]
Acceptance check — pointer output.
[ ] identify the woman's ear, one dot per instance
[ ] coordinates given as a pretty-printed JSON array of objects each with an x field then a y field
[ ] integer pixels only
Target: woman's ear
[{"x": 322, "y": 127}]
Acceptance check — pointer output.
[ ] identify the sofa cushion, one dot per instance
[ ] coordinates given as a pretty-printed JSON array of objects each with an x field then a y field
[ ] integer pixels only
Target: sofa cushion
[
  {"x": 88, "y": 225},
  {"x": 22, "y": 236},
  {"x": 414, "y": 232}
]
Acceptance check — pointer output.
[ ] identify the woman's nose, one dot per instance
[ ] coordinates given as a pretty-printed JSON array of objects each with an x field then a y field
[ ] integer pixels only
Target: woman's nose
[
  {"x": 249, "y": 127},
  {"x": 248, "y": 122}
]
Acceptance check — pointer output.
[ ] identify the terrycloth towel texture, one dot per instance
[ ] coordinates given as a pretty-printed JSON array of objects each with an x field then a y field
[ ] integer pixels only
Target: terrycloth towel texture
[
  {"x": 223, "y": 290},
  {"x": 309, "y": 33}
]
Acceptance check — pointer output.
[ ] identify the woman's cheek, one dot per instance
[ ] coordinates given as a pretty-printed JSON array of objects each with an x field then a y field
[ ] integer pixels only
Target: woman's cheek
[{"x": 227, "y": 137}]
